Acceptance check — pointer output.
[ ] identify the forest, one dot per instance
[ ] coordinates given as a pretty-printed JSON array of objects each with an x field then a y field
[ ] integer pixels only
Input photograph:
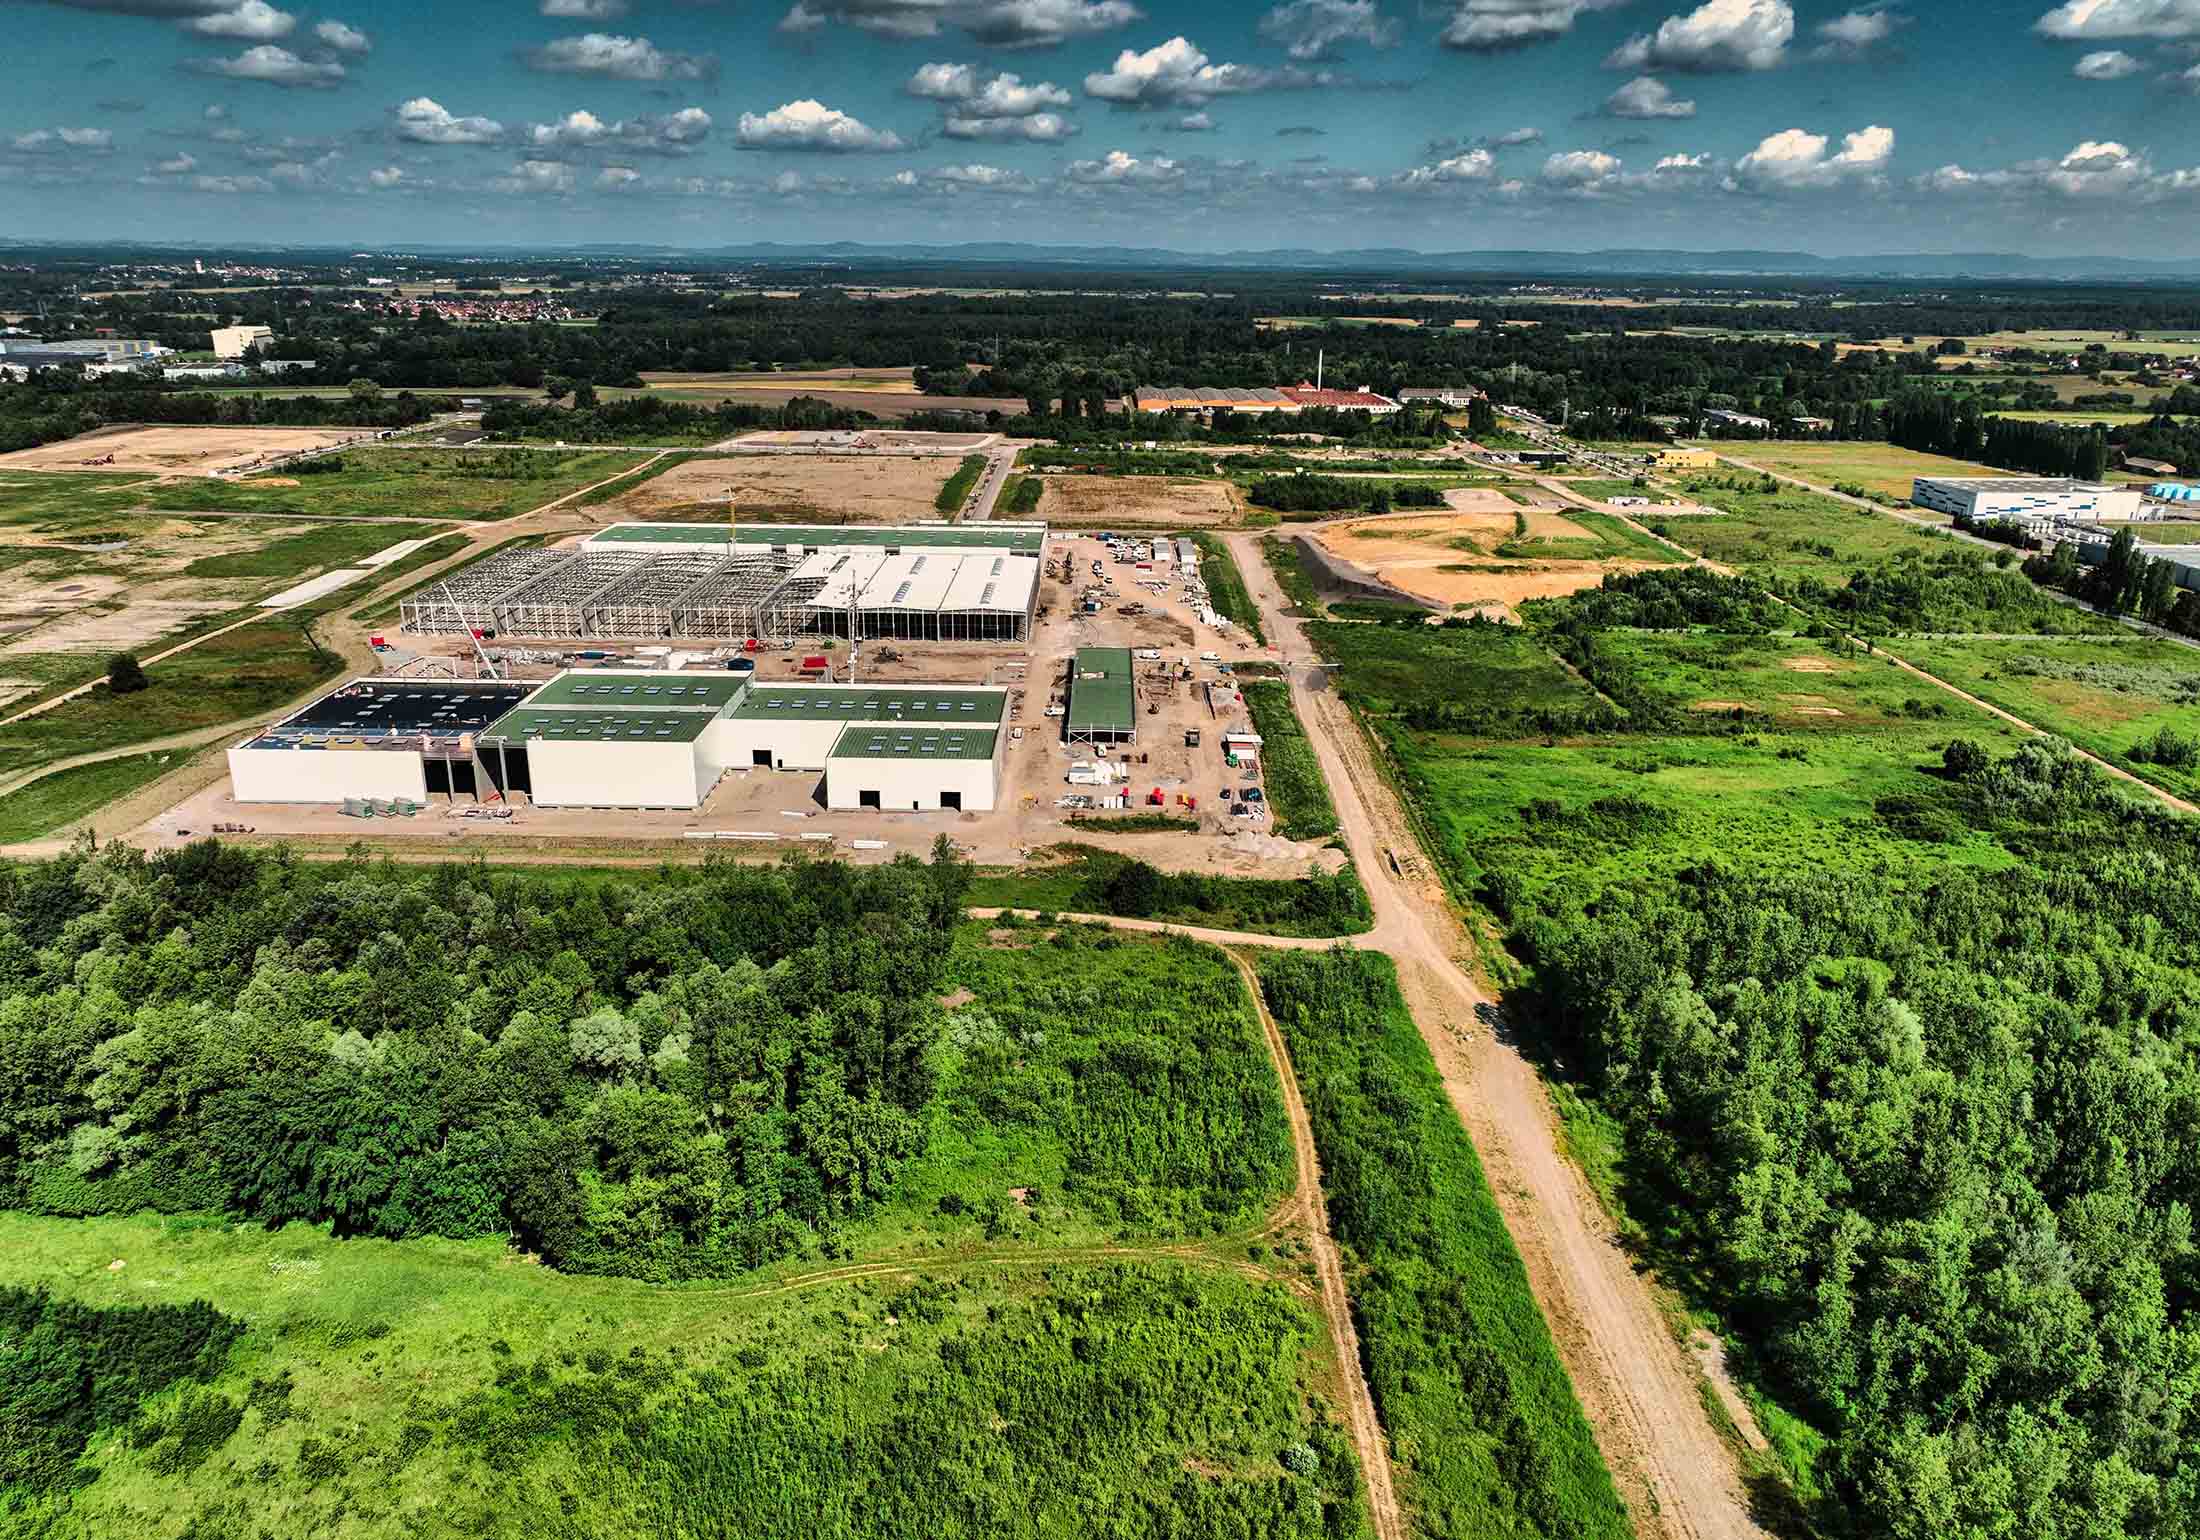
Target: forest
[
  {"x": 54, "y": 406},
  {"x": 1933, "y": 1148}
]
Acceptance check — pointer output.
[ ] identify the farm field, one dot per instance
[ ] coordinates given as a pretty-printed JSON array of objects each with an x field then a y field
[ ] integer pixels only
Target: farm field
[
  {"x": 433, "y": 484},
  {"x": 2115, "y": 696},
  {"x": 826, "y": 489},
  {"x": 1490, "y": 555},
  {"x": 1084, "y": 502},
  {"x": 172, "y": 451},
  {"x": 57, "y": 502},
  {"x": 1885, "y": 469}
]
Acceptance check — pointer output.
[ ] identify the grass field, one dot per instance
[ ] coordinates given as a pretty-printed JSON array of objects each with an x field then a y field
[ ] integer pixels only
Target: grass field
[
  {"x": 1386, "y": 669},
  {"x": 1287, "y": 561},
  {"x": 1789, "y": 533},
  {"x": 410, "y": 483},
  {"x": 1298, "y": 797},
  {"x": 1079, "y": 879},
  {"x": 952, "y": 492},
  {"x": 2110, "y": 695},
  {"x": 315, "y": 550},
  {"x": 1613, "y": 540},
  {"x": 1218, "y": 569},
  {"x": 53, "y": 801},
  {"x": 1885, "y": 469},
  {"x": 65, "y": 497}
]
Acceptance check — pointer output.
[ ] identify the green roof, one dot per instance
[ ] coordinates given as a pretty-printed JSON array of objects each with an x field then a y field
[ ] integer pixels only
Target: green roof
[
  {"x": 634, "y": 725},
  {"x": 1023, "y": 539},
  {"x": 915, "y": 704},
  {"x": 652, "y": 691},
  {"x": 889, "y": 740},
  {"x": 663, "y": 534},
  {"x": 1106, "y": 704}
]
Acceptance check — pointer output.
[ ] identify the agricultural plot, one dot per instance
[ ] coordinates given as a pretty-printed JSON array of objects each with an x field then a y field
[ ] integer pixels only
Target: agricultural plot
[
  {"x": 2132, "y": 700},
  {"x": 167, "y": 451},
  {"x": 1086, "y": 502},
  {"x": 822, "y": 489},
  {"x": 1884, "y": 470},
  {"x": 407, "y": 483},
  {"x": 75, "y": 502}
]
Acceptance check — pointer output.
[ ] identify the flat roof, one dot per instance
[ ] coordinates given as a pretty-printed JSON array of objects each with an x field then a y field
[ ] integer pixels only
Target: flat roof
[
  {"x": 1024, "y": 539},
  {"x": 641, "y": 687},
  {"x": 1109, "y": 702},
  {"x": 395, "y": 708},
  {"x": 870, "y": 703},
  {"x": 635, "y": 725},
  {"x": 2029, "y": 484},
  {"x": 891, "y": 741}
]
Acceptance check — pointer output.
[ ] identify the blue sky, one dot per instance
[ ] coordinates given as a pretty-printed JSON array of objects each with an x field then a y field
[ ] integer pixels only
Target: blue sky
[{"x": 1933, "y": 125}]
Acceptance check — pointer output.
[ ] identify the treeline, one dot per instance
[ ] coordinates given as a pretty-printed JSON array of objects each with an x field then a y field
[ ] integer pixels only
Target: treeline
[
  {"x": 1944, "y": 423},
  {"x": 670, "y": 1080},
  {"x": 1933, "y": 1149},
  {"x": 1308, "y": 493},
  {"x": 2125, "y": 581},
  {"x": 49, "y": 408},
  {"x": 1949, "y": 590},
  {"x": 626, "y": 419}
]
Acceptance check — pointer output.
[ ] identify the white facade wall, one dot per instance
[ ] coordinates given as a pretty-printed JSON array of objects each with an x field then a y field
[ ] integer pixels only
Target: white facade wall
[
  {"x": 794, "y": 743},
  {"x": 325, "y": 775},
  {"x": 236, "y": 341},
  {"x": 616, "y": 774},
  {"x": 910, "y": 783},
  {"x": 2024, "y": 498}
]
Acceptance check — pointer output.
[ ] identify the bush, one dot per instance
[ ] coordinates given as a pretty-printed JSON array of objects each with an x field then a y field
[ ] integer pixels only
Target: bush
[{"x": 124, "y": 675}]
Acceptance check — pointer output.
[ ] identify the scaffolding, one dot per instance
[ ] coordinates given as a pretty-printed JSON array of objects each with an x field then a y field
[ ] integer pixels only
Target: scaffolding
[
  {"x": 468, "y": 600},
  {"x": 647, "y": 601},
  {"x": 557, "y": 603},
  {"x": 735, "y": 600}
]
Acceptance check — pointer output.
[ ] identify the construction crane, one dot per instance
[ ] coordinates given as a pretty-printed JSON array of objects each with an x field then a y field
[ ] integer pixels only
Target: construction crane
[{"x": 481, "y": 656}]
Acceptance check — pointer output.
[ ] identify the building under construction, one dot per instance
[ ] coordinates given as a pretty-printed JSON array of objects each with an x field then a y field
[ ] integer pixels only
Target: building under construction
[{"x": 661, "y": 581}]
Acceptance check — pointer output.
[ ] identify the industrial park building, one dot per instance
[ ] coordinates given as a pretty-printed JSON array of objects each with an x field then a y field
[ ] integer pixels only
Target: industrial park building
[
  {"x": 236, "y": 341},
  {"x": 2025, "y": 499},
  {"x": 919, "y": 582},
  {"x": 628, "y": 739}
]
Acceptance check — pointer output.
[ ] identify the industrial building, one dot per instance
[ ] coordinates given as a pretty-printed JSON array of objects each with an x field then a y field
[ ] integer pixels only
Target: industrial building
[
  {"x": 629, "y": 739},
  {"x": 1442, "y": 395},
  {"x": 1103, "y": 697},
  {"x": 1686, "y": 457},
  {"x": 1205, "y": 399},
  {"x": 920, "y": 582},
  {"x": 2025, "y": 499},
  {"x": 236, "y": 341}
]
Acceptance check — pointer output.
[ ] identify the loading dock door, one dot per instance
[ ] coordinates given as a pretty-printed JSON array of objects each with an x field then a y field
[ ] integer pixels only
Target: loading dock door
[
  {"x": 867, "y": 799},
  {"x": 762, "y": 758},
  {"x": 952, "y": 801}
]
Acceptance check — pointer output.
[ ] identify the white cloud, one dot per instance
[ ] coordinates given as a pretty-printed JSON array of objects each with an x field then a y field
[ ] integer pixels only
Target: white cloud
[
  {"x": 1684, "y": 163},
  {"x": 2188, "y": 81},
  {"x": 1795, "y": 158},
  {"x": 273, "y": 66},
  {"x": 253, "y": 20},
  {"x": 181, "y": 164},
  {"x": 426, "y": 121},
  {"x": 386, "y": 177},
  {"x": 1717, "y": 35},
  {"x": 810, "y": 125},
  {"x": 536, "y": 176},
  {"x": 2087, "y": 20},
  {"x": 615, "y": 177},
  {"x": 1002, "y": 96},
  {"x": 1485, "y": 26},
  {"x": 1121, "y": 168},
  {"x": 2101, "y": 170},
  {"x": 232, "y": 184},
  {"x": 99, "y": 140},
  {"x": 1579, "y": 169},
  {"x": 1853, "y": 34},
  {"x": 583, "y": 10},
  {"x": 215, "y": 112},
  {"x": 1177, "y": 73},
  {"x": 995, "y": 23},
  {"x": 679, "y": 133},
  {"x": 619, "y": 58},
  {"x": 2108, "y": 64},
  {"x": 1037, "y": 128},
  {"x": 978, "y": 178},
  {"x": 1194, "y": 123},
  {"x": 1646, "y": 96},
  {"x": 1518, "y": 136},
  {"x": 1313, "y": 29},
  {"x": 1473, "y": 166},
  {"x": 342, "y": 37}
]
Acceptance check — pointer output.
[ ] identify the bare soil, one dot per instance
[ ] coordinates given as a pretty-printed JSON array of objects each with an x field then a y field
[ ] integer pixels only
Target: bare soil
[
  {"x": 175, "y": 451},
  {"x": 826, "y": 489},
  {"x": 1173, "y": 502}
]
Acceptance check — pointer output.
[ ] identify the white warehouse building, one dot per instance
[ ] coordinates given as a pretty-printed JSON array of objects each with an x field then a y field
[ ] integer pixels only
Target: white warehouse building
[
  {"x": 629, "y": 738},
  {"x": 2021, "y": 498}
]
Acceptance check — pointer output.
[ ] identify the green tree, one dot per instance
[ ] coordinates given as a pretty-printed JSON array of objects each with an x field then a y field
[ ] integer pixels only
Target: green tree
[{"x": 124, "y": 675}]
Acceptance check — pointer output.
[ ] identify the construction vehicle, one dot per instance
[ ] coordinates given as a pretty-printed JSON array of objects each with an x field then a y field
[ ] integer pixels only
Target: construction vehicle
[
  {"x": 1155, "y": 799},
  {"x": 1191, "y": 737}
]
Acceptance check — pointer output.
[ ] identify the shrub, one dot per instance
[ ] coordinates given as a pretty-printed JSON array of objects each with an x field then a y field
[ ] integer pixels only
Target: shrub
[{"x": 124, "y": 675}]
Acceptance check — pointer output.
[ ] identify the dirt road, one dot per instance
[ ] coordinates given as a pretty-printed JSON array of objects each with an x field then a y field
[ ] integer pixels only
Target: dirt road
[{"x": 1638, "y": 1386}]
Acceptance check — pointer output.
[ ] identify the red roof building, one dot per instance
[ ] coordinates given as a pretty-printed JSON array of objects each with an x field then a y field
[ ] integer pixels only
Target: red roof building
[{"x": 1363, "y": 400}]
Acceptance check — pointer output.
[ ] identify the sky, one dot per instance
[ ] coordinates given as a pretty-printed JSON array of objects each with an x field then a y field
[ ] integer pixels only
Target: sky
[{"x": 1836, "y": 128}]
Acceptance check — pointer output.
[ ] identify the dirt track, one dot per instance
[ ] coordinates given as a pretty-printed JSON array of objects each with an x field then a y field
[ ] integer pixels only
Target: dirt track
[{"x": 1637, "y": 1385}]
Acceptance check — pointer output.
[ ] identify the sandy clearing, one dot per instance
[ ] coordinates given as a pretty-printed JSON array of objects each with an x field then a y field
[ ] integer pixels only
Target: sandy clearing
[
  {"x": 1175, "y": 501},
  {"x": 146, "y": 619},
  {"x": 1720, "y": 705},
  {"x": 1810, "y": 665},
  {"x": 1544, "y": 524},
  {"x": 832, "y": 489},
  {"x": 1819, "y": 711},
  {"x": 175, "y": 451}
]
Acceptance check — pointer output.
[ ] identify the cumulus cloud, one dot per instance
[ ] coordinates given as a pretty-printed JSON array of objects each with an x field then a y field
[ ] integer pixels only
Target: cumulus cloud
[
  {"x": 1717, "y": 35},
  {"x": 427, "y": 121},
  {"x": 1121, "y": 168},
  {"x": 1473, "y": 166},
  {"x": 678, "y": 133},
  {"x": 619, "y": 58},
  {"x": 1485, "y": 26},
  {"x": 1313, "y": 29},
  {"x": 2095, "y": 169},
  {"x": 2088, "y": 20},
  {"x": 232, "y": 184},
  {"x": 1518, "y": 136},
  {"x": 1646, "y": 96},
  {"x": 1577, "y": 169},
  {"x": 583, "y": 10},
  {"x": 1796, "y": 158},
  {"x": 614, "y": 178},
  {"x": 342, "y": 37},
  {"x": 2107, "y": 64},
  {"x": 1177, "y": 73},
  {"x": 1034, "y": 128},
  {"x": 810, "y": 125},
  {"x": 275, "y": 66},
  {"x": 536, "y": 176},
  {"x": 38, "y": 140},
  {"x": 995, "y": 23},
  {"x": 181, "y": 164},
  {"x": 1002, "y": 96},
  {"x": 385, "y": 177},
  {"x": 973, "y": 177},
  {"x": 253, "y": 20}
]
